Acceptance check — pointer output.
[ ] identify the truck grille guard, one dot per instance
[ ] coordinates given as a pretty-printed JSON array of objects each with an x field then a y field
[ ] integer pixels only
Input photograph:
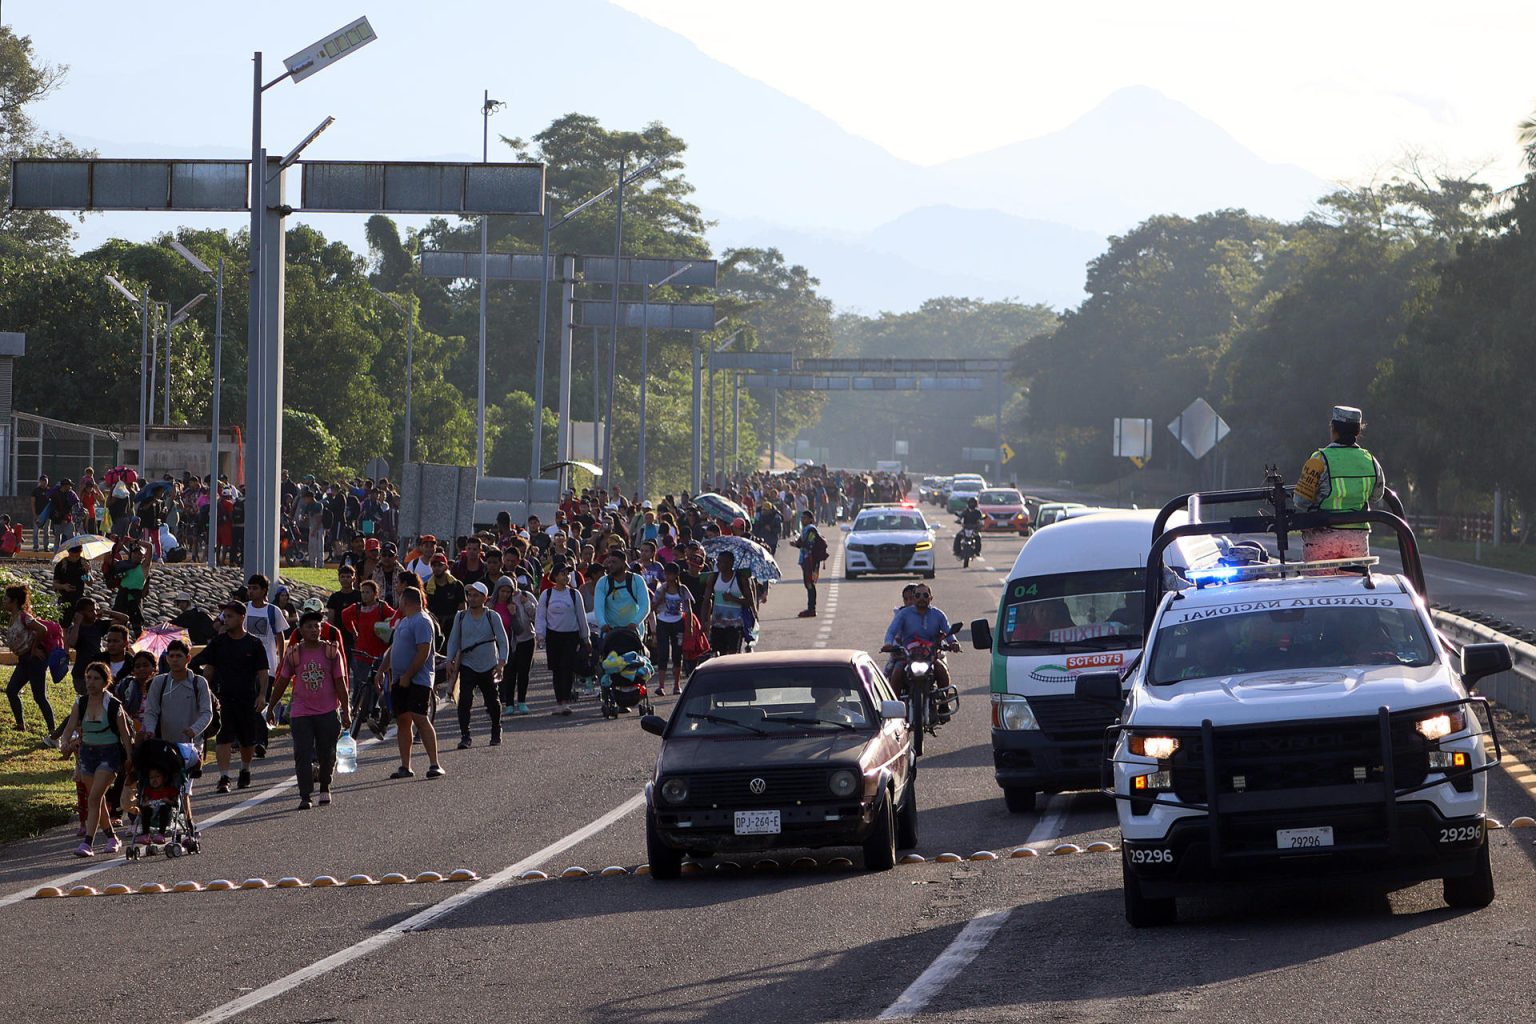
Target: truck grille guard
[{"x": 1390, "y": 793}]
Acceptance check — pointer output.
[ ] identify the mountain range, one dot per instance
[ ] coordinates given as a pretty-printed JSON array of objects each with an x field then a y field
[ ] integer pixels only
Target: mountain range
[{"x": 880, "y": 232}]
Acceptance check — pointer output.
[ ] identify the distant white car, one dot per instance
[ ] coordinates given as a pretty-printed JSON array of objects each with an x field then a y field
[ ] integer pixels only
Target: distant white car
[{"x": 889, "y": 539}]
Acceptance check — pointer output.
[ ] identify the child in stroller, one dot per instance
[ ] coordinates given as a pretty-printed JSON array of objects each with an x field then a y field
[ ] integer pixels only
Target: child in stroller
[
  {"x": 164, "y": 825},
  {"x": 625, "y": 669}
]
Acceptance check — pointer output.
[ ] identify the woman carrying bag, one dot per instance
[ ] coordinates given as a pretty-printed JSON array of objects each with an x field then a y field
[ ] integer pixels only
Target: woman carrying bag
[{"x": 561, "y": 629}]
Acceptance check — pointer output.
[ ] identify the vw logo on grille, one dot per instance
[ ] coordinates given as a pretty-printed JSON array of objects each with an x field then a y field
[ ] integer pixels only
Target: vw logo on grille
[{"x": 758, "y": 786}]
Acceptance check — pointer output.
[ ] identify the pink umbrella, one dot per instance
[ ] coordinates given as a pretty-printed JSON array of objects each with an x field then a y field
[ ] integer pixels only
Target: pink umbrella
[{"x": 155, "y": 639}]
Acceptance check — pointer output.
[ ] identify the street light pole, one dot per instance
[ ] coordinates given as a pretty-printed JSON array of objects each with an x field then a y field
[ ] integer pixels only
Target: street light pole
[
  {"x": 613, "y": 330},
  {"x": 213, "y": 452},
  {"x": 645, "y": 350},
  {"x": 736, "y": 423},
  {"x": 487, "y": 108},
  {"x": 408, "y": 312}
]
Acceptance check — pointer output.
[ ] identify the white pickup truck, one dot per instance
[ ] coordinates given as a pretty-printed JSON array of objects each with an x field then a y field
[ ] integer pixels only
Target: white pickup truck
[{"x": 1291, "y": 722}]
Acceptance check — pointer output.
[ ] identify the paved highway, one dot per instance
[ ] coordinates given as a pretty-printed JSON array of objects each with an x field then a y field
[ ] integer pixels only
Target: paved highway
[{"x": 1013, "y": 939}]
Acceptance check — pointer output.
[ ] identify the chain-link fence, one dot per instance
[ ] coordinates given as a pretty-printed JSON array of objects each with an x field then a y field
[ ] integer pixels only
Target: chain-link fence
[{"x": 38, "y": 445}]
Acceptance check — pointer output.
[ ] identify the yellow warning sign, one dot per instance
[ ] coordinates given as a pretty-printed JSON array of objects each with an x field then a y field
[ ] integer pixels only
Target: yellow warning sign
[
  {"x": 1007, "y": 453},
  {"x": 1139, "y": 462}
]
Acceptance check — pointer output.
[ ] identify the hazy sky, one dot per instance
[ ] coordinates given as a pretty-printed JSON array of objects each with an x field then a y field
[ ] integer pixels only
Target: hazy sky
[{"x": 1341, "y": 88}]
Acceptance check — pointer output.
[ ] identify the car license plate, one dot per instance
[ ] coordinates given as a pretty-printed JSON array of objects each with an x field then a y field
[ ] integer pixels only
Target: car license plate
[
  {"x": 757, "y": 823},
  {"x": 1304, "y": 838}
]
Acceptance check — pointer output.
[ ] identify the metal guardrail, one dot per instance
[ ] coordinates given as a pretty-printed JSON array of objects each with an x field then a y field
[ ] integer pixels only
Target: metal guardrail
[{"x": 1515, "y": 689}]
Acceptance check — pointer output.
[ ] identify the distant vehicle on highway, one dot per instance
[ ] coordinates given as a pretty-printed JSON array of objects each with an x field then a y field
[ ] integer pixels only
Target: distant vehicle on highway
[
  {"x": 930, "y": 488},
  {"x": 1289, "y": 722},
  {"x": 962, "y": 488},
  {"x": 1004, "y": 510},
  {"x": 1051, "y": 511},
  {"x": 782, "y": 750}
]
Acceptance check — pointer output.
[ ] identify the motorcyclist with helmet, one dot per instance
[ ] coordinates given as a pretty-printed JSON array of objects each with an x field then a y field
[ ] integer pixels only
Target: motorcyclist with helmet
[
  {"x": 971, "y": 518},
  {"x": 917, "y": 622}
]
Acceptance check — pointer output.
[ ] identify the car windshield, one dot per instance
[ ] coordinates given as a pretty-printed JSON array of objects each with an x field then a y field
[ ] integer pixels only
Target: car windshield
[
  {"x": 773, "y": 701},
  {"x": 1232, "y": 640},
  {"x": 1000, "y": 498},
  {"x": 890, "y": 521},
  {"x": 1075, "y": 611}
]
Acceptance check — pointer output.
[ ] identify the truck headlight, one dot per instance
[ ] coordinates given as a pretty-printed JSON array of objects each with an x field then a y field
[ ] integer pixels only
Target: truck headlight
[
  {"x": 1159, "y": 748},
  {"x": 922, "y": 545},
  {"x": 1013, "y": 713},
  {"x": 1439, "y": 726},
  {"x": 843, "y": 784},
  {"x": 674, "y": 791}
]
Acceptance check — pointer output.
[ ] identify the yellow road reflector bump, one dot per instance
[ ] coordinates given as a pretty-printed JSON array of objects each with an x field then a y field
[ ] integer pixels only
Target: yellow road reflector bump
[
  {"x": 116, "y": 889},
  {"x": 804, "y": 863},
  {"x": 255, "y": 883},
  {"x": 187, "y": 887},
  {"x": 290, "y": 883},
  {"x": 766, "y": 864},
  {"x": 614, "y": 871},
  {"x": 727, "y": 866},
  {"x": 324, "y": 882},
  {"x": 1023, "y": 851},
  {"x": 839, "y": 862},
  {"x": 462, "y": 875},
  {"x": 1099, "y": 847},
  {"x": 575, "y": 871},
  {"x": 82, "y": 890},
  {"x": 913, "y": 858},
  {"x": 983, "y": 855},
  {"x": 691, "y": 867},
  {"x": 220, "y": 885},
  {"x": 642, "y": 869},
  {"x": 152, "y": 887},
  {"x": 359, "y": 880},
  {"x": 949, "y": 858},
  {"x": 428, "y": 876},
  {"x": 1524, "y": 821},
  {"x": 533, "y": 875},
  {"x": 1494, "y": 823},
  {"x": 48, "y": 892},
  {"x": 1066, "y": 848},
  {"x": 394, "y": 878}
]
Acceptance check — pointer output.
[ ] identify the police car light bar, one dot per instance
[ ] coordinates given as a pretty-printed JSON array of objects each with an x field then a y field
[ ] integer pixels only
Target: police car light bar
[{"x": 1228, "y": 573}]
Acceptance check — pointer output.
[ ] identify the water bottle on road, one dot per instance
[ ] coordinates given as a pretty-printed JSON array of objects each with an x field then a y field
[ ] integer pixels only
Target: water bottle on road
[{"x": 346, "y": 754}]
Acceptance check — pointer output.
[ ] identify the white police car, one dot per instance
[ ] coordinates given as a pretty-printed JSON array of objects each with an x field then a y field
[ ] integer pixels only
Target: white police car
[
  {"x": 1284, "y": 726},
  {"x": 888, "y": 539}
]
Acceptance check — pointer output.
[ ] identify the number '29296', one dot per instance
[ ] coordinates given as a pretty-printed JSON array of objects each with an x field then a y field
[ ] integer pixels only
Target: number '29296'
[{"x": 1461, "y": 834}]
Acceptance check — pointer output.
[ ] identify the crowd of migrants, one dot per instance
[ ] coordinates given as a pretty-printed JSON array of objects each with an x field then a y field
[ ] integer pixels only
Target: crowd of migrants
[{"x": 403, "y": 633}]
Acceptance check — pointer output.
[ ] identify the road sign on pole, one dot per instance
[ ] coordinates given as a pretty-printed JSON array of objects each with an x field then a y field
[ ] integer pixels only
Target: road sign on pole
[
  {"x": 1007, "y": 453},
  {"x": 1133, "y": 438},
  {"x": 1199, "y": 428}
]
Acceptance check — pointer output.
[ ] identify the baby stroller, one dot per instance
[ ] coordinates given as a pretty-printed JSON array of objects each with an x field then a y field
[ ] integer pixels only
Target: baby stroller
[
  {"x": 625, "y": 670},
  {"x": 164, "y": 821}
]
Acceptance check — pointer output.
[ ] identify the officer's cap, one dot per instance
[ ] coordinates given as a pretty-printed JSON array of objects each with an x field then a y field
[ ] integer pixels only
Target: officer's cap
[{"x": 1347, "y": 414}]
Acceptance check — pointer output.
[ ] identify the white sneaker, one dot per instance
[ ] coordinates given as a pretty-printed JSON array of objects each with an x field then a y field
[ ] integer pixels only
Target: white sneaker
[{"x": 390, "y": 733}]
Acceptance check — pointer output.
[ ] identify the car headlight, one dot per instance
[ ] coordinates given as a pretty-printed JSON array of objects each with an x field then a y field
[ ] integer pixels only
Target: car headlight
[
  {"x": 1442, "y": 725},
  {"x": 674, "y": 791},
  {"x": 922, "y": 545},
  {"x": 1013, "y": 713},
  {"x": 1159, "y": 748},
  {"x": 843, "y": 783},
  {"x": 920, "y": 667}
]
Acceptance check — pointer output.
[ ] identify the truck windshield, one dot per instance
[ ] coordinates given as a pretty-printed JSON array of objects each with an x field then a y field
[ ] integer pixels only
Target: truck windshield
[
  {"x": 1098, "y": 610},
  {"x": 1287, "y": 639}
]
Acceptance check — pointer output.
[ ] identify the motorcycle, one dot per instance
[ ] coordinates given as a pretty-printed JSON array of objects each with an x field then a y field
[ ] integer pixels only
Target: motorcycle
[
  {"x": 928, "y": 705},
  {"x": 968, "y": 545}
]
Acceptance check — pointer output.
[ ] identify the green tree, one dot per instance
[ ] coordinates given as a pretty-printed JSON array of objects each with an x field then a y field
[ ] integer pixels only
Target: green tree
[
  {"x": 308, "y": 447},
  {"x": 23, "y": 82}
]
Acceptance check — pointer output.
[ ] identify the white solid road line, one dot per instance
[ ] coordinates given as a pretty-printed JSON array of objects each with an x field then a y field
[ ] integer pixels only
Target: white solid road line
[
  {"x": 108, "y": 862},
  {"x": 973, "y": 938},
  {"x": 416, "y": 922}
]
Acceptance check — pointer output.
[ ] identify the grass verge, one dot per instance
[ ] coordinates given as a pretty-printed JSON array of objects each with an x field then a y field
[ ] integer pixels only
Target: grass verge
[
  {"x": 325, "y": 579},
  {"x": 37, "y": 788}
]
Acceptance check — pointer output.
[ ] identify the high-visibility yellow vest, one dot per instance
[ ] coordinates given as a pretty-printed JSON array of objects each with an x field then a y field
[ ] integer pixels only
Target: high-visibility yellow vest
[{"x": 1351, "y": 479}]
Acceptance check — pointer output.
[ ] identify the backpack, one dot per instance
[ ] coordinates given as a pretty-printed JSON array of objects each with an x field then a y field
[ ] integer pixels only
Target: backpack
[
  {"x": 818, "y": 550},
  {"x": 163, "y": 679},
  {"x": 55, "y": 634},
  {"x": 110, "y": 704}
]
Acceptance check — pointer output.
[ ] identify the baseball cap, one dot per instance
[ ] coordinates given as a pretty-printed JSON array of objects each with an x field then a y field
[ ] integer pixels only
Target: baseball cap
[
  {"x": 477, "y": 585},
  {"x": 371, "y": 544},
  {"x": 233, "y": 606},
  {"x": 181, "y": 596},
  {"x": 389, "y": 548},
  {"x": 646, "y": 504},
  {"x": 1347, "y": 414},
  {"x": 313, "y": 604},
  {"x": 439, "y": 559},
  {"x": 426, "y": 538}
]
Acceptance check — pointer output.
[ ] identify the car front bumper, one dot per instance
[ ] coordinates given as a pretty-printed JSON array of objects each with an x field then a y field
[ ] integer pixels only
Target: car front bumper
[
  {"x": 712, "y": 830},
  {"x": 1031, "y": 759},
  {"x": 861, "y": 562}
]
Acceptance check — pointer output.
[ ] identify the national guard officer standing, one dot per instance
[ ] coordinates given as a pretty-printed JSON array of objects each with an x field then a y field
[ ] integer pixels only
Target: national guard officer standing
[{"x": 1343, "y": 477}]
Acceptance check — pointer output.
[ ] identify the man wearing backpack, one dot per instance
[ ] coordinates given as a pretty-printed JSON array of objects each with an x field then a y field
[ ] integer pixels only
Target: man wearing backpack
[
  {"x": 813, "y": 552},
  {"x": 621, "y": 599}
]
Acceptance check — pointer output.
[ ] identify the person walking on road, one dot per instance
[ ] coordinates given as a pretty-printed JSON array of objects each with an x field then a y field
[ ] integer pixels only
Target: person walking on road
[
  {"x": 562, "y": 630},
  {"x": 621, "y": 598},
  {"x": 238, "y": 666},
  {"x": 1341, "y": 477},
  {"x": 98, "y": 717},
  {"x": 37, "y": 652},
  {"x": 410, "y": 671},
  {"x": 319, "y": 710},
  {"x": 518, "y": 609},
  {"x": 813, "y": 552},
  {"x": 674, "y": 603},
  {"x": 477, "y": 656}
]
